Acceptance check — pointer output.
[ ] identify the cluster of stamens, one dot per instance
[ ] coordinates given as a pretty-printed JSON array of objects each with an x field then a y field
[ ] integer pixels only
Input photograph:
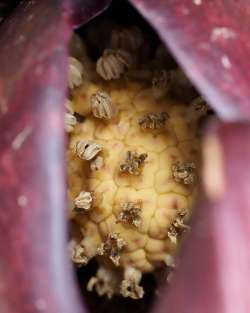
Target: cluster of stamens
[
  {"x": 130, "y": 285},
  {"x": 111, "y": 248},
  {"x": 131, "y": 213},
  {"x": 177, "y": 226},
  {"x": 101, "y": 105},
  {"x": 198, "y": 108},
  {"x": 113, "y": 63},
  {"x": 153, "y": 120},
  {"x": 105, "y": 282},
  {"x": 83, "y": 202},
  {"x": 184, "y": 173},
  {"x": 78, "y": 255},
  {"x": 87, "y": 149},
  {"x": 133, "y": 163}
]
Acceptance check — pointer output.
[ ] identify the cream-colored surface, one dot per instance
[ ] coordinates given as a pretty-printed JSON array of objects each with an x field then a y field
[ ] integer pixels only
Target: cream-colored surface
[{"x": 161, "y": 197}]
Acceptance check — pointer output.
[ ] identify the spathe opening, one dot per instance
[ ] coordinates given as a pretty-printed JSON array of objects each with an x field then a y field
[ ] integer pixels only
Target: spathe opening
[{"x": 96, "y": 35}]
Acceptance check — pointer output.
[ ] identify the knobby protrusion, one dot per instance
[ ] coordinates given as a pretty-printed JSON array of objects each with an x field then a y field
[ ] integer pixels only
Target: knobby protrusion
[
  {"x": 102, "y": 106},
  {"x": 78, "y": 255},
  {"x": 105, "y": 282},
  {"x": 76, "y": 73},
  {"x": 87, "y": 149},
  {"x": 170, "y": 261},
  {"x": 184, "y": 173},
  {"x": 130, "y": 285},
  {"x": 97, "y": 163},
  {"x": 153, "y": 120},
  {"x": 131, "y": 213},
  {"x": 70, "y": 122},
  {"x": 113, "y": 63},
  {"x": 133, "y": 163},
  {"x": 112, "y": 248},
  {"x": 83, "y": 202},
  {"x": 178, "y": 226}
]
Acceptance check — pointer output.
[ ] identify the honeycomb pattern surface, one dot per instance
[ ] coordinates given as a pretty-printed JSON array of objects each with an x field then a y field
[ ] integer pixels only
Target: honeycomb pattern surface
[{"x": 160, "y": 196}]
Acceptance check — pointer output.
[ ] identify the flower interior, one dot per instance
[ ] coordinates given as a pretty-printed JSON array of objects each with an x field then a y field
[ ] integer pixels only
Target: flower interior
[{"x": 134, "y": 125}]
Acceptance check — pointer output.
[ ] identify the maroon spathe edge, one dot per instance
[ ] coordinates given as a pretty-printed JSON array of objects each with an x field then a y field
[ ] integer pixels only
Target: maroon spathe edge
[
  {"x": 210, "y": 39},
  {"x": 213, "y": 276},
  {"x": 81, "y": 11},
  {"x": 35, "y": 272}
]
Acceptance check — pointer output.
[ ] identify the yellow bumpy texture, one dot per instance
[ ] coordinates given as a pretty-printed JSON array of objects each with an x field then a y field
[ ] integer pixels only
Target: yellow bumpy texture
[{"x": 147, "y": 244}]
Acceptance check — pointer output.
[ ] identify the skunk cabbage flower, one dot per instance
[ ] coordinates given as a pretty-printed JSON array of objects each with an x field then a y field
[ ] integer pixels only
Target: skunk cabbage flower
[{"x": 210, "y": 41}]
